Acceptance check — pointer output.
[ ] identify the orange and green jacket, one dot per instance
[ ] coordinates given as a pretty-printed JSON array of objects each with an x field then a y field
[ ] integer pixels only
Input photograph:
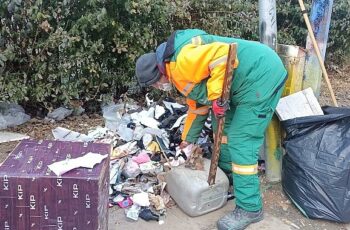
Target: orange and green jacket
[{"x": 195, "y": 63}]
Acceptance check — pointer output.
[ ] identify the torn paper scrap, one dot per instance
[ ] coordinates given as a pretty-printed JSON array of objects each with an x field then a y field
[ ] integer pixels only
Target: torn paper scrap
[
  {"x": 300, "y": 104},
  {"x": 159, "y": 111},
  {"x": 64, "y": 134},
  {"x": 98, "y": 132},
  {"x": 89, "y": 160},
  {"x": 9, "y": 136}
]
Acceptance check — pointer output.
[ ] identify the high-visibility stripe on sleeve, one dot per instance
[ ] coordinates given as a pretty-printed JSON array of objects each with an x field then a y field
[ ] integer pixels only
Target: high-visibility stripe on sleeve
[
  {"x": 245, "y": 169},
  {"x": 187, "y": 89},
  {"x": 218, "y": 61}
]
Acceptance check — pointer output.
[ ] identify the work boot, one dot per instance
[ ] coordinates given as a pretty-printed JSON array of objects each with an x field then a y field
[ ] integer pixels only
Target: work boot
[{"x": 239, "y": 219}]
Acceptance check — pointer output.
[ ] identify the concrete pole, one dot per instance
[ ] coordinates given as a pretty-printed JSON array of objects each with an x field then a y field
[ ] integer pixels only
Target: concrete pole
[
  {"x": 268, "y": 23},
  {"x": 320, "y": 18},
  {"x": 272, "y": 146}
]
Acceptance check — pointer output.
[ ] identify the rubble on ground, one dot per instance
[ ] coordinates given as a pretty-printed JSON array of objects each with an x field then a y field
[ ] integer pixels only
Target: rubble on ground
[{"x": 145, "y": 144}]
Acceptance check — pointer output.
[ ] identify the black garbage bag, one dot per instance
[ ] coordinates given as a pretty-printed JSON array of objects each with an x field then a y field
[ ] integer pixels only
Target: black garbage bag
[{"x": 316, "y": 167}]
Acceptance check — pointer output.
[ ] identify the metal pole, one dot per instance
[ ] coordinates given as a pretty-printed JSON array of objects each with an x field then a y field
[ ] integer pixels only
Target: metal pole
[
  {"x": 272, "y": 145},
  {"x": 320, "y": 19}
]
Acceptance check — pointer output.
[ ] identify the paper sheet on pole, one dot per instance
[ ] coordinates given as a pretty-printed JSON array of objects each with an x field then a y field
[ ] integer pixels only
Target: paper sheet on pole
[{"x": 300, "y": 104}]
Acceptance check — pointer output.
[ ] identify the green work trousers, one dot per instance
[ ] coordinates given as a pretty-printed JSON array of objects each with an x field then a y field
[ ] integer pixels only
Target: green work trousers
[{"x": 246, "y": 121}]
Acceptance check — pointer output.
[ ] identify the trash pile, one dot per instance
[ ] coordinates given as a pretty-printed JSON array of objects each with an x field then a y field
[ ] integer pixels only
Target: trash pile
[{"x": 145, "y": 146}]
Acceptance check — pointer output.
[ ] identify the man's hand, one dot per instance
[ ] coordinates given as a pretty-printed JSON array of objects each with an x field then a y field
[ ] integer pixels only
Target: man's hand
[
  {"x": 218, "y": 109},
  {"x": 184, "y": 144}
]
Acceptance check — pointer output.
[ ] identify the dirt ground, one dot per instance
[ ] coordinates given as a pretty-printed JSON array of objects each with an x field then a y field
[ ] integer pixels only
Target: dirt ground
[{"x": 280, "y": 213}]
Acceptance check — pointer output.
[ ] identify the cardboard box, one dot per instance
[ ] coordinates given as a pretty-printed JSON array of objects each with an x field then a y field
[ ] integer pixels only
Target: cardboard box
[{"x": 33, "y": 197}]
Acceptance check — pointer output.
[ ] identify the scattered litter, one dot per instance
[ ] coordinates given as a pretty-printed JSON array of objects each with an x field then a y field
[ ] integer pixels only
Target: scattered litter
[
  {"x": 125, "y": 203},
  {"x": 147, "y": 139},
  {"x": 290, "y": 223},
  {"x": 89, "y": 160},
  {"x": 113, "y": 114},
  {"x": 147, "y": 215},
  {"x": 171, "y": 106},
  {"x": 98, "y": 133},
  {"x": 133, "y": 212},
  {"x": 125, "y": 133},
  {"x": 142, "y": 157},
  {"x": 115, "y": 172},
  {"x": 131, "y": 169},
  {"x": 64, "y": 134},
  {"x": 12, "y": 115},
  {"x": 300, "y": 104},
  {"x": 150, "y": 122},
  {"x": 118, "y": 198},
  {"x": 157, "y": 202},
  {"x": 153, "y": 147},
  {"x": 195, "y": 160},
  {"x": 59, "y": 114},
  {"x": 9, "y": 136},
  {"x": 138, "y": 117},
  {"x": 149, "y": 101},
  {"x": 151, "y": 167},
  {"x": 141, "y": 199},
  {"x": 159, "y": 111},
  {"x": 145, "y": 145},
  {"x": 178, "y": 122},
  {"x": 186, "y": 152},
  {"x": 175, "y": 162},
  {"x": 124, "y": 150}
]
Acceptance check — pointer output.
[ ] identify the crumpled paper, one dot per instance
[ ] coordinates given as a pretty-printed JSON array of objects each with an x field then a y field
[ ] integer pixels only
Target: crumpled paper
[
  {"x": 141, "y": 199},
  {"x": 157, "y": 201},
  {"x": 124, "y": 150},
  {"x": 89, "y": 160},
  {"x": 131, "y": 169},
  {"x": 195, "y": 160}
]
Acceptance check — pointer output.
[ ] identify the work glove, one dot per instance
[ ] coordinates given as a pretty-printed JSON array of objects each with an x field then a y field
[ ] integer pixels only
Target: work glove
[{"x": 219, "y": 109}]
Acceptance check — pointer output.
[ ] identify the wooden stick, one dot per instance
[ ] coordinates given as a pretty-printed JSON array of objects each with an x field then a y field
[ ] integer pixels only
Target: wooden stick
[
  {"x": 225, "y": 97},
  {"x": 318, "y": 53}
]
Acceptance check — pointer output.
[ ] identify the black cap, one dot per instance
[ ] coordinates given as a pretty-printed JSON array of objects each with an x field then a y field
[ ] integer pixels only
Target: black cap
[{"x": 147, "y": 72}]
